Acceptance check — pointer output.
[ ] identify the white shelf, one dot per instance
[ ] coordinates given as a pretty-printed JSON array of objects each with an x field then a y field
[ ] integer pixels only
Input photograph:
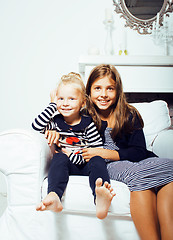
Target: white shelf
[
  {"x": 93, "y": 60},
  {"x": 138, "y": 73}
]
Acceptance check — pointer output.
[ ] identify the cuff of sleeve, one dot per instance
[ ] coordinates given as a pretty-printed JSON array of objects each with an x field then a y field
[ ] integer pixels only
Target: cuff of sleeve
[
  {"x": 122, "y": 154},
  {"x": 54, "y": 105}
]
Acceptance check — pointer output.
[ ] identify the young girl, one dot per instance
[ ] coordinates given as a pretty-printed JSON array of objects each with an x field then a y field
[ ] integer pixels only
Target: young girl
[
  {"x": 149, "y": 178},
  {"x": 76, "y": 132}
]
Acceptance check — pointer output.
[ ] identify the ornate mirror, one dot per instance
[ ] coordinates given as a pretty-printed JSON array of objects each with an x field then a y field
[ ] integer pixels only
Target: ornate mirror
[{"x": 140, "y": 14}]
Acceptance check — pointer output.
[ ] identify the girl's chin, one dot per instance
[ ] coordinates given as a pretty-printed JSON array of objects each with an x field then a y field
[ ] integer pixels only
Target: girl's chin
[{"x": 103, "y": 106}]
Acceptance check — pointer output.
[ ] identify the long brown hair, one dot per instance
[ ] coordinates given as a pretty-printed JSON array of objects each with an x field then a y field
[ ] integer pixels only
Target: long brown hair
[{"x": 121, "y": 109}]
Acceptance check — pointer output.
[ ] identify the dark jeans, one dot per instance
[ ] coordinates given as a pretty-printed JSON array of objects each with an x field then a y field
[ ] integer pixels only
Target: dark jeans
[{"x": 61, "y": 168}]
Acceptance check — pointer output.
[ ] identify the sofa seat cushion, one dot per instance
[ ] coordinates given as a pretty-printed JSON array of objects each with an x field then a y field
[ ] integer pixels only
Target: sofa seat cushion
[
  {"x": 78, "y": 197},
  {"x": 156, "y": 118}
]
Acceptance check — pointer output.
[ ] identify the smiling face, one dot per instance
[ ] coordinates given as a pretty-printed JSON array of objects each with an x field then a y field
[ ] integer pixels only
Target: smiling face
[
  {"x": 69, "y": 102},
  {"x": 103, "y": 93}
]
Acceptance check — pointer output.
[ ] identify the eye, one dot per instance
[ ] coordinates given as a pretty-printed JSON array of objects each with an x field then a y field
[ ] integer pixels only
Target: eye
[
  {"x": 110, "y": 88},
  {"x": 60, "y": 98},
  {"x": 97, "y": 88}
]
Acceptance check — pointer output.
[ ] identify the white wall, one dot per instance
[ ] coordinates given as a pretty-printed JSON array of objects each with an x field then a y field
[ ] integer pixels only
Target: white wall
[{"x": 41, "y": 40}]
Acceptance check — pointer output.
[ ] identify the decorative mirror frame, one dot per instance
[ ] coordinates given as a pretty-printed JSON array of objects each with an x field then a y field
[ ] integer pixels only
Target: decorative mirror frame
[{"x": 141, "y": 26}]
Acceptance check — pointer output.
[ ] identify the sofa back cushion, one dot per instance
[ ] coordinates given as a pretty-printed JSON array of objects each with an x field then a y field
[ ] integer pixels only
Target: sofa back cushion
[{"x": 156, "y": 118}]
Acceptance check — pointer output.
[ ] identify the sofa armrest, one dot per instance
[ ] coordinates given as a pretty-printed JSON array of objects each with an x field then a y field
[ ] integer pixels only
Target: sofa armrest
[
  {"x": 23, "y": 158},
  {"x": 162, "y": 145}
]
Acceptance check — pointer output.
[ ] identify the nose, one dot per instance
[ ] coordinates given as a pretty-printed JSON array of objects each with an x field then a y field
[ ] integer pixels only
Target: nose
[
  {"x": 65, "y": 102},
  {"x": 104, "y": 93}
]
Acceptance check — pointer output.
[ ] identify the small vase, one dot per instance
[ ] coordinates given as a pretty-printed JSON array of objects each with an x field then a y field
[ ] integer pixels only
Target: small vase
[{"x": 109, "y": 50}]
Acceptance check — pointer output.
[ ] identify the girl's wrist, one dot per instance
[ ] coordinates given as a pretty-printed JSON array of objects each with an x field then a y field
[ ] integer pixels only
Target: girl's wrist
[
  {"x": 111, "y": 154},
  {"x": 54, "y": 103}
]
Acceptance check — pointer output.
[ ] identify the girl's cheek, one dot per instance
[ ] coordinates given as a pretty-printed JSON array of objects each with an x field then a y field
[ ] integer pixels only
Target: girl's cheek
[
  {"x": 94, "y": 95},
  {"x": 58, "y": 106}
]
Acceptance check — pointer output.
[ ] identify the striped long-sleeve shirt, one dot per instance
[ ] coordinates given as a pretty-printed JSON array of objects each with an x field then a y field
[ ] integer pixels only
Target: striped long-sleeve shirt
[{"x": 73, "y": 138}]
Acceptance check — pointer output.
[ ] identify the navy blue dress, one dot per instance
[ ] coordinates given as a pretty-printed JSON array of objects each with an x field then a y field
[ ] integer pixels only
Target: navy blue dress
[{"x": 138, "y": 168}]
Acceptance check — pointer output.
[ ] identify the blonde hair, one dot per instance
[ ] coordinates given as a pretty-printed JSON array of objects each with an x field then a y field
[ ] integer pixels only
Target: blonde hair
[{"x": 74, "y": 79}]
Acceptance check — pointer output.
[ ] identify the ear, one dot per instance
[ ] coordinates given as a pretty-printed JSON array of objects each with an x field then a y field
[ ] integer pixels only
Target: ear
[{"x": 83, "y": 105}]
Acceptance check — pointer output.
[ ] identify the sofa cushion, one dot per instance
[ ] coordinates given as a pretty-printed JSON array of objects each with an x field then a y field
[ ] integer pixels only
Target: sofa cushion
[
  {"x": 156, "y": 118},
  {"x": 78, "y": 197}
]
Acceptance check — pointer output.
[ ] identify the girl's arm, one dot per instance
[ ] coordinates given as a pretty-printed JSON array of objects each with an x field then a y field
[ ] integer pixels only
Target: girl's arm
[
  {"x": 52, "y": 136},
  {"x": 133, "y": 149},
  {"x": 96, "y": 148},
  {"x": 132, "y": 146},
  {"x": 44, "y": 120},
  {"x": 93, "y": 136},
  {"x": 104, "y": 153}
]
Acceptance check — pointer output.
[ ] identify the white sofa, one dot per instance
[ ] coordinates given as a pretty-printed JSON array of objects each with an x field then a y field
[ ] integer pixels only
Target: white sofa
[{"x": 24, "y": 155}]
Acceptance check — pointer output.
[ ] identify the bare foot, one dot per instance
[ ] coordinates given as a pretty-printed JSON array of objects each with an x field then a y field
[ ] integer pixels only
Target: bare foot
[
  {"x": 50, "y": 202},
  {"x": 104, "y": 196}
]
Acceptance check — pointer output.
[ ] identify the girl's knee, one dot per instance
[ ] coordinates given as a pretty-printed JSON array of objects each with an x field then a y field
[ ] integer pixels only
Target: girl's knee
[
  {"x": 60, "y": 158},
  {"x": 97, "y": 160}
]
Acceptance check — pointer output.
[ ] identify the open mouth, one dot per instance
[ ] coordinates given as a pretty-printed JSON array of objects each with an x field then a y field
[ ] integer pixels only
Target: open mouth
[
  {"x": 104, "y": 102},
  {"x": 65, "y": 109}
]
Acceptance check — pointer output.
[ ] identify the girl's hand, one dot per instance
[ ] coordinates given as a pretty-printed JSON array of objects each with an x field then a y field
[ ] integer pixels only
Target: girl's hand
[
  {"x": 88, "y": 153},
  {"x": 67, "y": 152},
  {"x": 53, "y": 95},
  {"x": 52, "y": 136}
]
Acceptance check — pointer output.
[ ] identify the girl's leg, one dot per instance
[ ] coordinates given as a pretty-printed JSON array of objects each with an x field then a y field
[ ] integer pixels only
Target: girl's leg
[
  {"x": 144, "y": 214},
  {"x": 165, "y": 211},
  {"x": 58, "y": 174},
  {"x": 57, "y": 181},
  {"x": 100, "y": 185},
  {"x": 97, "y": 169}
]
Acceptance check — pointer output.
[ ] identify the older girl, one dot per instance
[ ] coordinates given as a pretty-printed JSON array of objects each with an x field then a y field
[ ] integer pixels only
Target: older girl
[{"x": 149, "y": 178}]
